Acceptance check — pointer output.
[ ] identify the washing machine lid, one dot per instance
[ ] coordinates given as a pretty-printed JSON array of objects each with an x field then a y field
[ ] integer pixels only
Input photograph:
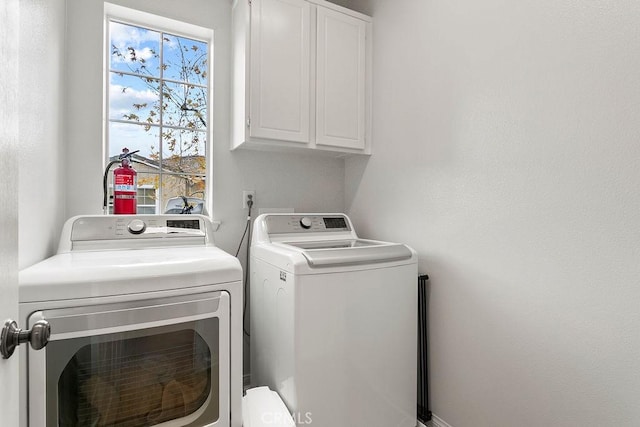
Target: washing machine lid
[
  {"x": 334, "y": 244},
  {"x": 91, "y": 274},
  {"x": 332, "y": 253},
  {"x": 111, "y": 255},
  {"x": 319, "y": 241}
]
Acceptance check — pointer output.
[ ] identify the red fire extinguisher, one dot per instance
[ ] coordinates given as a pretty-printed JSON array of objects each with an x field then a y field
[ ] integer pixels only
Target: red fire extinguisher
[{"x": 125, "y": 186}]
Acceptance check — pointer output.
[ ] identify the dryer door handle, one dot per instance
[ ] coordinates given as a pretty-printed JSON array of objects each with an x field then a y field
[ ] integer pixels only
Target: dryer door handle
[{"x": 12, "y": 336}]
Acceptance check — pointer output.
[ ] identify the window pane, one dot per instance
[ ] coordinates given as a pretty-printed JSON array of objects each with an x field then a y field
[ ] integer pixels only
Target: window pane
[
  {"x": 146, "y": 210},
  {"x": 181, "y": 185},
  {"x": 134, "y": 137},
  {"x": 184, "y": 151},
  {"x": 148, "y": 184},
  {"x": 185, "y": 59},
  {"x": 134, "y": 49},
  {"x": 134, "y": 98},
  {"x": 185, "y": 106}
]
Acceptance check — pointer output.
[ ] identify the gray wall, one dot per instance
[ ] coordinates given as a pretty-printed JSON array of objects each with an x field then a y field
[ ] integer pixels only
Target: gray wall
[{"x": 506, "y": 152}]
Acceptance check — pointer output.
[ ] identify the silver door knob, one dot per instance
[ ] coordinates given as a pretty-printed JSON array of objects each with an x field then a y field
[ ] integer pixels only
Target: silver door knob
[{"x": 12, "y": 336}]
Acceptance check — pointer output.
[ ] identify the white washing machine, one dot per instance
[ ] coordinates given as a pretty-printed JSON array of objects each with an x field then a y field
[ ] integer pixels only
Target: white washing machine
[
  {"x": 334, "y": 321},
  {"x": 146, "y": 326}
]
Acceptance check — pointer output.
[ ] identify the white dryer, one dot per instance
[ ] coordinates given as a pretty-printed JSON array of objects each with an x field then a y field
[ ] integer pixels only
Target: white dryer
[
  {"x": 334, "y": 321},
  {"x": 146, "y": 326}
]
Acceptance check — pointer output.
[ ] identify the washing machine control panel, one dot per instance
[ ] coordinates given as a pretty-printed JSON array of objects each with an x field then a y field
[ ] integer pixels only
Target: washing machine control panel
[
  {"x": 118, "y": 227},
  {"x": 277, "y": 224}
]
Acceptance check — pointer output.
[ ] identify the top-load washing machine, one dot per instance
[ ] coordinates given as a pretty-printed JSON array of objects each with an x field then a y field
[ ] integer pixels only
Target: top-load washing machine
[
  {"x": 146, "y": 326},
  {"x": 334, "y": 321}
]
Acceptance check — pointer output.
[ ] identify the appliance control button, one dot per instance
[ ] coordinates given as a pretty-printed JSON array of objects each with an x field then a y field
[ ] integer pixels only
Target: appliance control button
[
  {"x": 305, "y": 222},
  {"x": 137, "y": 226}
]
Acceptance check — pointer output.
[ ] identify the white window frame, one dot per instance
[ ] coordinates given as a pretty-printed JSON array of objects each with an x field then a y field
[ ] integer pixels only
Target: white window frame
[{"x": 125, "y": 15}]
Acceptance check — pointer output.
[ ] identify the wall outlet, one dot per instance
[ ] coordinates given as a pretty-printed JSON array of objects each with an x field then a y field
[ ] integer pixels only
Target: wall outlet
[{"x": 245, "y": 197}]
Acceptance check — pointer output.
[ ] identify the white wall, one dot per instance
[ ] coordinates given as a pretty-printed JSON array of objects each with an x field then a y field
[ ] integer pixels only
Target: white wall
[
  {"x": 41, "y": 125},
  {"x": 280, "y": 180},
  {"x": 506, "y": 152}
]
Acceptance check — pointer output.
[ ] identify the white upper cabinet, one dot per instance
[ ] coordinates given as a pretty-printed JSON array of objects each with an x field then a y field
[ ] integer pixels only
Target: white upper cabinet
[
  {"x": 340, "y": 80},
  {"x": 301, "y": 76},
  {"x": 279, "y": 71}
]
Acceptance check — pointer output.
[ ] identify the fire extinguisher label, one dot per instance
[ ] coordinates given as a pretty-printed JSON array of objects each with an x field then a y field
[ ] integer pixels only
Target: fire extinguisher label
[{"x": 125, "y": 183}]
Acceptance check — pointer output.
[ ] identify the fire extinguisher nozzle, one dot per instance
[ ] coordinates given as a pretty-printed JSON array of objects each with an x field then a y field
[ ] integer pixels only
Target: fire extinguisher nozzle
[{"x": 127, "y": 154}]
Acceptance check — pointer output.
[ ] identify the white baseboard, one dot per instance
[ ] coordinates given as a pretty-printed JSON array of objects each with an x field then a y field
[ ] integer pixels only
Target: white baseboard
[{"x": 437, "y": 422}]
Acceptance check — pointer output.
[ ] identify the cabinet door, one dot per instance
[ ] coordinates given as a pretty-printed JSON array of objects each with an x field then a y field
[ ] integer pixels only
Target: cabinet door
[
  {"x": 341, "y": 76},
  {"x": 279, "y": 69}
]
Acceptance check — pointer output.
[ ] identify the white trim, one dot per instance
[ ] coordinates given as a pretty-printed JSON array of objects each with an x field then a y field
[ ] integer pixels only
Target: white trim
[
  {"x": 161, "y": 23},
  {"x": 437, "y": 422},
  {"x": 338, "y": 8}
]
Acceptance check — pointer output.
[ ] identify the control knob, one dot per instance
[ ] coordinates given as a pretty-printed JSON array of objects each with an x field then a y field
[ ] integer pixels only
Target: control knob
[
  {"x": 137, "y": 226},
  {"x": 305, "y": 222}
]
